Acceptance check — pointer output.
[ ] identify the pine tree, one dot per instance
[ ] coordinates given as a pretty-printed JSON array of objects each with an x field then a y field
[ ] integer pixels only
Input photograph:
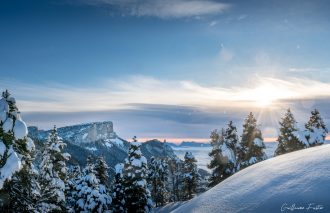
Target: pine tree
[
  {"x": 229, "y": 149},
  {"x": 52, "y": 175},
  {"x": 191, "y": 176},
  {"x": 288, "y": 141},
  {"x": 24, "y": 188},
  {"x": 118, "y": 196},
  {"x": 89, "y": 196},
  {"x": 251, "y": 149},
  {"x": 137, "y": 195},
  {"x": 315, "y": 129},
  {"x": 218, "y": 163},
  {"x": 15, "y": 155},
  {"x": 175, "y": 167},
  {"x": 158, "y": 174},
  {"x": 101, "y": 169},
  {"x": 74, "y": 173}
]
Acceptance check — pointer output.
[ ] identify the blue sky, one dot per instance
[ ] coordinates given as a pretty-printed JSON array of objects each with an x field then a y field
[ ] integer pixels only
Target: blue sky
[{"x": 167, "y": 69}]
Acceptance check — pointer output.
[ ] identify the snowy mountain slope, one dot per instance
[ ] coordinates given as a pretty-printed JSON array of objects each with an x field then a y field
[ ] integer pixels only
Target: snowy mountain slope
[
  {"x": 299, "y": 179},
  {"x": 99, "y": 139}
]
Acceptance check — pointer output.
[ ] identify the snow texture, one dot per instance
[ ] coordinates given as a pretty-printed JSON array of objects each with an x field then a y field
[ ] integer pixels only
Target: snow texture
[
  {"x": 226, "y": 152},
  {"x": 258, "y": 142},
  {"x": 20, "y": 129},
  {"x": 299, "y": 178},
  {"x": 12, "y": 165}
]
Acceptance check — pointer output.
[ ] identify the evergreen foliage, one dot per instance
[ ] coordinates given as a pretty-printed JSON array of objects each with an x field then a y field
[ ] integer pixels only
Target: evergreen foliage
[
  {"x": 251, "y": 149},
  {"x": 137, "y": 195},
  {"x": 316, "y": 129},
  {"x": 118, "y": 195},
  {"x": 158, "y": 174},
  {"x": 288, "y": 139},
  {"x": 191, "y": 176}
]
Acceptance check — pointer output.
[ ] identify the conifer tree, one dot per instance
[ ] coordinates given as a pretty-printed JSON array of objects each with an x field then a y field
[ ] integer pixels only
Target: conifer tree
[
  {"x": 315, "y": 129},
  {"x": 137, "y": 195},
  {"x": 218, "y": 162},
  {"x": 158, "y": 174},
  {"x": 118, "y": 196},
  {"x": 74, "y": 173},
  {"x": 191, "y": 176},
  {"x": 89, "y": 196},
  {"x": 101, "y": 169},
  {"x": 24, "y": 189},
  {"x": 52, "y": 175},
  {"x": 175, "y": 168},
  {"x": 15, "y": 155},
  {"x": 251, "y": 149},
  {"x": 229, "y": 149},
  {"x": 287, "y": 139}
]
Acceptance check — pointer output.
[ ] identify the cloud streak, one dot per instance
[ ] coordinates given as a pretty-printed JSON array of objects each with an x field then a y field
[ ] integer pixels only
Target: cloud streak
[
  {"x": 163, "y": 9},
  {"x": 121, "y": 94}
]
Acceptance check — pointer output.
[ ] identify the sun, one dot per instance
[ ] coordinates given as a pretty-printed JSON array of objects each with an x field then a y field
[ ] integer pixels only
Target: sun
[{"x": 266, "y": 94}]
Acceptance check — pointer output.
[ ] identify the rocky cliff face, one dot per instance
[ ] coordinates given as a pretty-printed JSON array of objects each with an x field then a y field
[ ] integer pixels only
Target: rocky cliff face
[{"x": 83, "y": 133}]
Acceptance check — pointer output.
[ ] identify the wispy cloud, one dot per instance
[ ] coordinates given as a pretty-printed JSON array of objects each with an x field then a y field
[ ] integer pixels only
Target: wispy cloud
[
  {"x": 305, "y": 69},
  {"x": 163, "y": 9},
  {"x": 120, "y": 94}
]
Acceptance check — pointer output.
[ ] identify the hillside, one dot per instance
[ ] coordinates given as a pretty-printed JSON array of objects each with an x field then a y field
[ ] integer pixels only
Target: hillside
[
  {"x": 98, "y": 139},
  {"x": 299, "y": 179}
]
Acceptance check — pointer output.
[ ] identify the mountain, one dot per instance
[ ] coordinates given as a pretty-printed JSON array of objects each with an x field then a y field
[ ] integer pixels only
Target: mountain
[
  {"x": 98, "y": 139},
  {"x": 298, "y": 179}
]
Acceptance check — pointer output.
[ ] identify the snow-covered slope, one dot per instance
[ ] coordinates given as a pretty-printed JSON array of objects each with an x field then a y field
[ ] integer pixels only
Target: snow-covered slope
[{"x": 299, "y": 179}]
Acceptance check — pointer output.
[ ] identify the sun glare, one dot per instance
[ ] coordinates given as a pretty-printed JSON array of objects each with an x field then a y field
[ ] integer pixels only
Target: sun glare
[{"x": 266, "y": 94}]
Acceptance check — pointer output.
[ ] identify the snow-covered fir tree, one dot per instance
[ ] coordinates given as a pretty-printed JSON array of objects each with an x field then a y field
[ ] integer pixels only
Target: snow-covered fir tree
[
  {"x": 137, "y": 195},
  {"x": 118, "y": 196},
  {"x": 101, "y": 169},
  {"x": 218, "y": 162},
  {"x": 175, "y": 167},
  {"x": 15, "y": 147},
  {"x": 251, "y": 149},
  {"x": 289, "y": 139},
  {"x": 90, "y": 196},
  {"x": 74, "y": 173},
  {"x": 23, "y": 189},
  {"x": 190, "y": 175},
  {"x": 158, "y": 175},
  {"x": 316, "y": 131},
  {"x": 52, "y": 174},
  {"x": 229, "y": 149}
]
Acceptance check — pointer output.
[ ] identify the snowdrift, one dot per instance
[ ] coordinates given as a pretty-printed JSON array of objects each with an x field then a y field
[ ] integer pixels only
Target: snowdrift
[{"x": 294, "y": 182}]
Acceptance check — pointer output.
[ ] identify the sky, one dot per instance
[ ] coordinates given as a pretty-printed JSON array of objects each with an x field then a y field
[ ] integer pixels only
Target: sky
[{"x": 173, "y": 69}]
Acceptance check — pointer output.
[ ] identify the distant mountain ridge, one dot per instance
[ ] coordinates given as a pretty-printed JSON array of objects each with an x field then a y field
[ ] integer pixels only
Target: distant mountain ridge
[{"x": 99, "y": 139}]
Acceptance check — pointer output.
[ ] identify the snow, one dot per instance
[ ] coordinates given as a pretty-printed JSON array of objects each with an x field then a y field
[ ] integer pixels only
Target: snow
[
  {"x": 169, "y": 207},
  {"x": 8, "y": 125},
  {"x": 301, "y": 135},
  {"x": 137, "y": 144},
  {"x": 93, "y": 149},
  {"x": 30, "y": 144},
  {"x": 20, "y": 129},
  {"x": 12, "y": 165},
  {"x": 258, "y": 142},
  {"x": 119, "y": 168},
  {"x": 4, "y": 105},
  {"x": 2, "y": 148},
  {"x": 137, "y": 162},
  {"x": 3, "y": 116},
  {"x": 299, "y": 178},
  {"x": 226, "y": 152}
]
